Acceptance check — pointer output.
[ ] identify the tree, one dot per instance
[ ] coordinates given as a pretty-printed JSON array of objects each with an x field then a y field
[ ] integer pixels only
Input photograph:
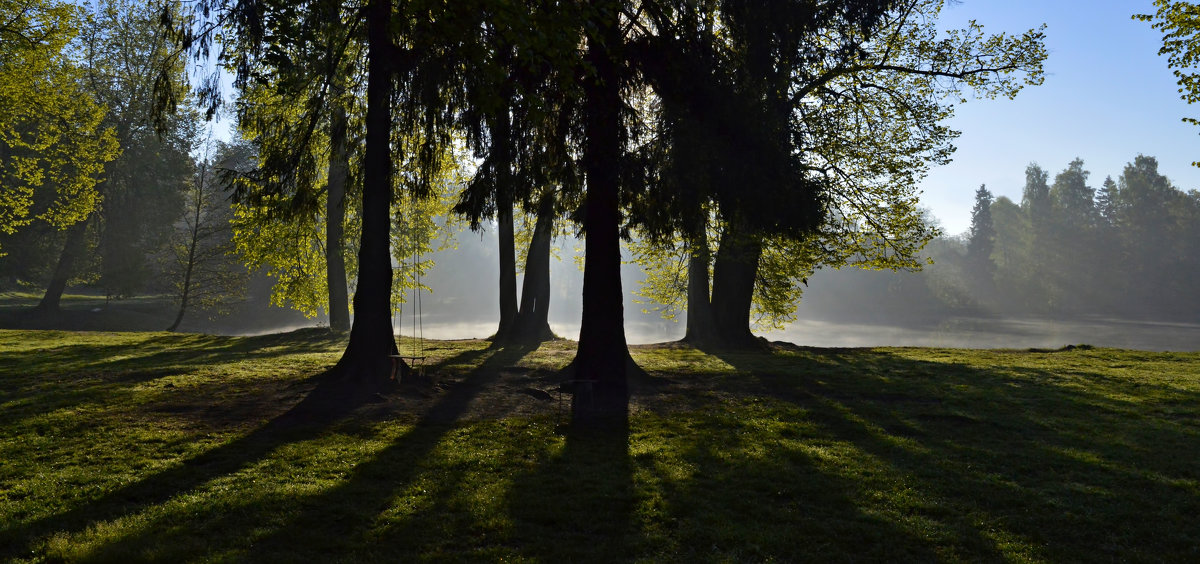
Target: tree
[
  {"x": 206, "y": 273},
  {"x": 1179, "y": 23},
  {"x": 981, "y": 241},
  {"x": 301, "y": 105},
  {"x": 514, "y": 111},
  {"x": 532, "y": 324},
  {"x": 141, "y": 187},
  {"x": 602, "y": 354},
  {"x": 1148, "y": 230},
  {"x": 1106, "y": 202},
  {"x": 1038, "y": 208},
  {"x": 53, "y": 141},
  {"x": 860, "y": 123},
  {"x": 1071, "y": 236},
  {"x": 409, "y": 67},
  {"x": 1015, "y": 277}
]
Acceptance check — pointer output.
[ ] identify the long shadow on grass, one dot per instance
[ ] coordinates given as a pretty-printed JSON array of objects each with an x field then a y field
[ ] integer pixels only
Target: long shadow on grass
[
  {"x": 324, "y": 406},
  {"x": 62, "y": 375},
  {"x": 304, "y": 420},
  {"x": 339, "y": 522},
  {"x": 577, "y": 505},
  {"x": 997, "y": 462}
]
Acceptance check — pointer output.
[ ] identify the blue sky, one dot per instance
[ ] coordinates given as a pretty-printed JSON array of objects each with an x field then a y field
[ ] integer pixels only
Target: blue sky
[{"x": 1108, "y": 96}]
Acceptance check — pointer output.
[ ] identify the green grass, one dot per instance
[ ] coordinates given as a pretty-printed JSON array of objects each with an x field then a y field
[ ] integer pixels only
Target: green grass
[{"x": 157, "y": 446}]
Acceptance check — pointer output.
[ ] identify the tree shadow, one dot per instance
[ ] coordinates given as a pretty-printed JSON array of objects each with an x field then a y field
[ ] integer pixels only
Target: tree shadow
[
  {"x": 581, "y": 496},
  {"x": 306, "y": 419},
  {"x": 745, "y": 496},
  {"x": 333, "y": 522},
  {"x": 77, "y": 369},
  {"x": 1005, "y": 460}
]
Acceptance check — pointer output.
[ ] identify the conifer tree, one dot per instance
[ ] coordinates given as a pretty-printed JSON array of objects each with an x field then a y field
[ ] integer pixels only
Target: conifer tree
[{"x": 981, "y": 241}]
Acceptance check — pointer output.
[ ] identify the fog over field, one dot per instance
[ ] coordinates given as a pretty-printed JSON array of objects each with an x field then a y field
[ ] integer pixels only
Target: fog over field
[{"x": 833, "y": 313}]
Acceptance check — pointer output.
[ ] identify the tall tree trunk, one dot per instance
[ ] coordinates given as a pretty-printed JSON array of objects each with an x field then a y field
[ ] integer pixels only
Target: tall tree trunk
[
  {"x": 335, "y": 218},
  {"x": 508, "y": 268},
  {"x": 72, "y": 249},
  {"x": 734, "y": 273},
  {"x": 366, "y": 361},
  {"x": 602, "y": 353},
  {"x": 502, "y": 157},
  {"x": 701, "y": 329},
  {"x": 504, "y": 216},
  {"x": 533, "y": 323}
]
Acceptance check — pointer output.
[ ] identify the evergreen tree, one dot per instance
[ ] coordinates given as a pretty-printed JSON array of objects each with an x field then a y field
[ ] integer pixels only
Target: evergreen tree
[
  {"x": 1038, "y": 208},
  {"x": 981, "y": 241},
  {"x": 1072, "y": 232},
  {"x": 1106, "y": 202}
]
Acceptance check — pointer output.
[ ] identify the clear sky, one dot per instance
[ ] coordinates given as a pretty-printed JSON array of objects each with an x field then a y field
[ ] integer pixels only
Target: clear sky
[{"x": 1108, "y": 96}]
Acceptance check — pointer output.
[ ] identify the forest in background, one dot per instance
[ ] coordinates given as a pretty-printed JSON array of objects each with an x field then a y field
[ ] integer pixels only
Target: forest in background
[{"x": 1129, "y": 248}]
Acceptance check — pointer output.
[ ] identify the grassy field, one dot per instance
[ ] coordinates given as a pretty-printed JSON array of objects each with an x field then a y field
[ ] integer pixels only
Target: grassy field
[{"x": 157, "y": 446}]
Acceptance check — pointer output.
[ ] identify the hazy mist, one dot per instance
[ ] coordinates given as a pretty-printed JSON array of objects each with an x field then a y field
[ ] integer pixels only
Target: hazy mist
[{"x": 835, "y": 311}]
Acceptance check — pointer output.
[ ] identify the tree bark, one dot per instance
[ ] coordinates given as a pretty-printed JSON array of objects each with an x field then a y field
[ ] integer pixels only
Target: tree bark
[
  {"x": 701, "y": 328},
  {"x": 734, "y": 273},
  {"x": 72, "y": 249},
  {"x": 601, "y": 358},
  {"x": 533, "y": 323},
  {"x": 504, "y": 217},
  {"x": 335, "y": 218},
  {"x": 367, "y": 362}
]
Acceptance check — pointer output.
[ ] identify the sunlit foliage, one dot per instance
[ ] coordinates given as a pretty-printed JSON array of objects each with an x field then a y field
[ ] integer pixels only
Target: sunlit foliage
[{"x": 53, "y": 141}]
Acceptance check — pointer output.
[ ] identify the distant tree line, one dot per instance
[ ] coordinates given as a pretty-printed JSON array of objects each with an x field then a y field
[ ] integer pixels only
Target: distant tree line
[{"x": 1128, "y": 248}]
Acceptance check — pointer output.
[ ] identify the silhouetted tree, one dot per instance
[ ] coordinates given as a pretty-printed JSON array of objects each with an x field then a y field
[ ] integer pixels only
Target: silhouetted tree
[{"x": 981, "y": 242}]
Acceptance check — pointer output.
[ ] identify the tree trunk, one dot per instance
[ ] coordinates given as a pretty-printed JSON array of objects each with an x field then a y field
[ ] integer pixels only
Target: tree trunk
[
  {"x": 734, "y": 273},
  {"x": 194, "y": 240},
  {"x": 335, "y": 218},
  {"x": 701, "y": 329},
  {"x": 367, "y": 363},
  {"x": 532, "y": 324},
  {"x": 600, "y": 362},
  {"x": 502, "y": 159},
  {"x": 508, "y": 263},
  {"x": 72, "y": 249}
]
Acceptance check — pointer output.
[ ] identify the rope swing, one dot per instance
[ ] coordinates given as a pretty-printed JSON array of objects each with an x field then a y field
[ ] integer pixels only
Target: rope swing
[{"x": 417, "y": 354}]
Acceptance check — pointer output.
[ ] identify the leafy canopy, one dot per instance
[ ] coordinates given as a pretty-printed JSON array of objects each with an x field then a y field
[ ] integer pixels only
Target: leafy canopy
[{"x": 53, "y": 144}]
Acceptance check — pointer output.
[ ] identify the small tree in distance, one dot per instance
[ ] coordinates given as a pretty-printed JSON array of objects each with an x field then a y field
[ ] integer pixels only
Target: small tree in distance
[
  {"x": 203, "y": 265},
  {"x": 982, "y": 241}
]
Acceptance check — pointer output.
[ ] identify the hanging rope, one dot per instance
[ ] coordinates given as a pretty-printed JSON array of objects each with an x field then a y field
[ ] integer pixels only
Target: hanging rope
[{"x": 417, "y": 346}]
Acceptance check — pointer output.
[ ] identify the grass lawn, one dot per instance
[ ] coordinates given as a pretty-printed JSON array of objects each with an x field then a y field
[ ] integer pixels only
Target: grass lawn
[{"x": 158, "y": 446}]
